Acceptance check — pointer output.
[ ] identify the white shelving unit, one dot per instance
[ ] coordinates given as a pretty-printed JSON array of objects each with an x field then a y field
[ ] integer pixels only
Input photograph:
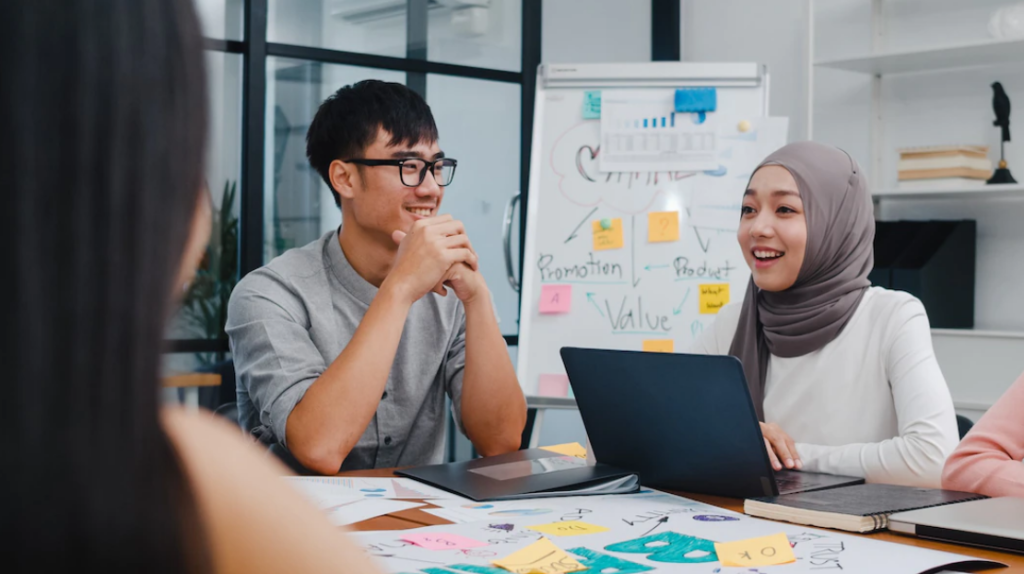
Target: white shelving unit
[
  {"x": 978, "y": 364},
  {"x": 882, "y": 62},
  {"x": 968, "y": 55},
  {"x": 967, "y": 192},
  {"x": 977, "y": 334}
]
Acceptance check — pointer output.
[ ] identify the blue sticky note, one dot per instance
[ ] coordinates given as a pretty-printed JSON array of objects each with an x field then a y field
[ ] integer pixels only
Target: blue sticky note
[
  {"x": 696, "y": 99},
  {"x": 592, "y": 105}
]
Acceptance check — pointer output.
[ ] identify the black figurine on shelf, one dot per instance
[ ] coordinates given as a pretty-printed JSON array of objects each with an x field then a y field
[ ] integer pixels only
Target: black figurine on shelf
[{"x": 1001, "y": 106}]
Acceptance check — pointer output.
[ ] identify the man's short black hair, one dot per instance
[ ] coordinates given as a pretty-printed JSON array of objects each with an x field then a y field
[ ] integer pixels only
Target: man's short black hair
[{"x": 347, "y": 122}]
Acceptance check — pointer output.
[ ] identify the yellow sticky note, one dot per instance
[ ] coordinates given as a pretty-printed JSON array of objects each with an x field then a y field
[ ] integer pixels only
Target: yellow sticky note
[
  {"x": 568, "y": 528},
  {"x": 659, "y": 346},
  {"x": 713, "y": 297},
  {"x": 608, "y": 238},
  {"x": 541, "y": 556},
  {"x": 764, "y": 551},
  {"x": 662, "y": 226},
  {"x": 568, "y": 449}
]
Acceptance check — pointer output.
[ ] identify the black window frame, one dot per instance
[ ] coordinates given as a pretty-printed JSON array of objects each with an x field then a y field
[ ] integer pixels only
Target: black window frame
[{"x": 255, "y": 49}]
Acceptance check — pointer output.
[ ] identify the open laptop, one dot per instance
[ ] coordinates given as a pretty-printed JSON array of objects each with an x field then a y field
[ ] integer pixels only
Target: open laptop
[
  {"x": 990, "y": 523},
  {"x": 682, "y": 422}
]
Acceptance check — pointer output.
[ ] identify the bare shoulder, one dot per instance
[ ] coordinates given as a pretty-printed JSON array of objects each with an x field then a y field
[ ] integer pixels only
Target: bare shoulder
[
  {"x": 193, "y": 428},
  {"x": 206, "y": 442},
  {"x": 253, "y": 520}
]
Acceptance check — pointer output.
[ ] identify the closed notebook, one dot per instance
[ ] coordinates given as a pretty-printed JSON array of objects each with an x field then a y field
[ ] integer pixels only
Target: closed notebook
[
  {"x": 860, "y": 508},
  {"x": 533, "y": 473}
]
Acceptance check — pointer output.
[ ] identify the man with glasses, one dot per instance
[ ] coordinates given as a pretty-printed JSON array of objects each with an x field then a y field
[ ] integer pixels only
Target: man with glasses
[{"x": 345, "y": 348}]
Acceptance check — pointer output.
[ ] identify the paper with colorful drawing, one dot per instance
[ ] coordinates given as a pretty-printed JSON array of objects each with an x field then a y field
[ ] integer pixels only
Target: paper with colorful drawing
[
  {"x": 540, "y": 557},
  {"x": 342, "y": 506},
  {"x": 649, "y": 531},
  {"x": 461, "y": 512},
  {"x": 641, "y": 131},
  {"x": 349, "y": 511},
  {"x": 716, "y": 202},
  {"x": 367, "y": 487}
]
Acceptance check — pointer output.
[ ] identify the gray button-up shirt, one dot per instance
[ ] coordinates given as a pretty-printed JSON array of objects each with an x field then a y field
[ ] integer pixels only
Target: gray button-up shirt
[{"x": 290, "y": 319}]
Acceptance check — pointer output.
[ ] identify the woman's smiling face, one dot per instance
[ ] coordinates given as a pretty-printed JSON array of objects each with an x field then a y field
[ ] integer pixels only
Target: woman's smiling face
[{"x": 773, "y": 229}]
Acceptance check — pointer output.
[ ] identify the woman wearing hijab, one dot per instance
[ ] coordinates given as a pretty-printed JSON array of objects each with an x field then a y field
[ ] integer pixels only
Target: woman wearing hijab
[
  {"x": 842, "y": 374},
  {"x": 103, "y": 221}
]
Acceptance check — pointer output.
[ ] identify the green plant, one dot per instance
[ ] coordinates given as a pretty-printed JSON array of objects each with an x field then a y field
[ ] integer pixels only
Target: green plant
[{"x": 205, "y": 306}]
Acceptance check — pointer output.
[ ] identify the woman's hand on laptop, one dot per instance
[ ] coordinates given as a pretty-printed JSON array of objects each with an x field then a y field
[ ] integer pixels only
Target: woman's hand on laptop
[{"x": 781, "y": 448}]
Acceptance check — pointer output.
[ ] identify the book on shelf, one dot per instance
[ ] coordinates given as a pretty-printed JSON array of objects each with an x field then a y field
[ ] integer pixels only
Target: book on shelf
[
  {"x": 932, "y": 183},
  {"x": 958, "y": 164},
  {"x": 979, "y": 151},
  {"x": 943, "y": 173}
]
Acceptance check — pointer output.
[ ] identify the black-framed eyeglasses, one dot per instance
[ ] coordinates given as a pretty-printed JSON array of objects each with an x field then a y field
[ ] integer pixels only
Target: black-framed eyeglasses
[{"x": 413, "y": 170}]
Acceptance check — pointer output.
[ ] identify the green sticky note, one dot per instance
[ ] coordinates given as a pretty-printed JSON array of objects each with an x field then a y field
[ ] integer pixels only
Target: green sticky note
[{"x": 592, "y": 105}]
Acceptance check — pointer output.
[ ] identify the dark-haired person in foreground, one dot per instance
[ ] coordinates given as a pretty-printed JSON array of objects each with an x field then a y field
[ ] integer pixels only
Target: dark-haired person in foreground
[
  {"x": 345, "y": 348},
  {"x": 96, "y": 475}
]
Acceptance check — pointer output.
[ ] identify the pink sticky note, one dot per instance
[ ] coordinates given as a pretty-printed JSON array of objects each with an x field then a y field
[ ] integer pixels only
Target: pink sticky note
[
  {"x": 555, "y": 298},
  {"x": 442, "y": 541},
  {"x": 553, "y": 386}
]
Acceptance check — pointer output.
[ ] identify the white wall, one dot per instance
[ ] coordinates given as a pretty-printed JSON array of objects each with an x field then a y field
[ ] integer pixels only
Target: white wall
[
  {"x": 499, "y": 46},
  {"x": 769, "y": 33},
  {"x": 579, "y": 31}
]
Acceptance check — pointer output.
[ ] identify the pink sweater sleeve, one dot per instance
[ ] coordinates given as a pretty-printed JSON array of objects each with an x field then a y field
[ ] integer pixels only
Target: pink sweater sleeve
[{"x": 988, "y": 460}]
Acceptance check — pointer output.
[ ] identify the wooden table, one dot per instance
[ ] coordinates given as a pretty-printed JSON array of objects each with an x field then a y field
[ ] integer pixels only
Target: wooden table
[
  {"x": 415, "y": 518},
  {"x": 191, "y": 383}
]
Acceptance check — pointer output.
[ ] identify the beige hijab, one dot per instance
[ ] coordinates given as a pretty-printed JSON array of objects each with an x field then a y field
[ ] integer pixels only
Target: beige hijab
[{"x": 834, "y": 274}]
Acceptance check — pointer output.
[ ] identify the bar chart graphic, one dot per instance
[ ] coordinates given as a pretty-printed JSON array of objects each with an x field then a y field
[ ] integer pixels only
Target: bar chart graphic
[
  {"x": 664, "y": 121},
  {"x": 638, "y": 134}
]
